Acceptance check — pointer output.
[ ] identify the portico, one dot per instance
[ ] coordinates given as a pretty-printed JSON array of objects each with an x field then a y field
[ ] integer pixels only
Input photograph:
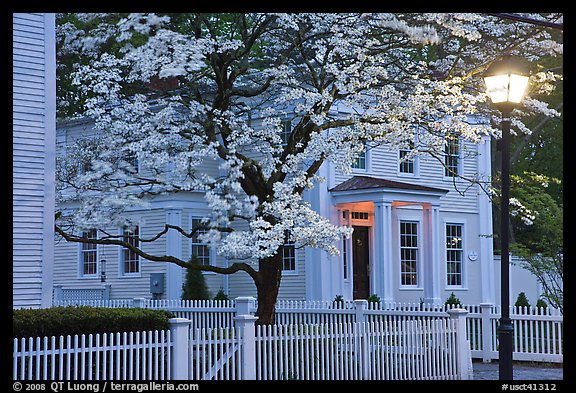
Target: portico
[{"x": 396, "y": 239}]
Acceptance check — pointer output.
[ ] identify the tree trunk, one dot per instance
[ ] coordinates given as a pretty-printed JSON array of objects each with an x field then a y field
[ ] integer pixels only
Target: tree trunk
[{"x": 270, "y": 271}]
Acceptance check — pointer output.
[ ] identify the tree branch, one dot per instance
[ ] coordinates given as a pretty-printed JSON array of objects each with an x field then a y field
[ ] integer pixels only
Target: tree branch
[{"x": 235, "y": 267}]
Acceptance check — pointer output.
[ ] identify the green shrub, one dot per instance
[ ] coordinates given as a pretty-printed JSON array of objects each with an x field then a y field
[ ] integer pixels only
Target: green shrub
[
  {"x": 194, "y": 287},
  {"x": 220, "y": 295},
  {"x": 374, "y": 298},
  {"x": 71, "y": 320},
  {"x": 453, "y": 301},
  {"x": 541, "y": 305},
  {"x": 522, "y": 300}
]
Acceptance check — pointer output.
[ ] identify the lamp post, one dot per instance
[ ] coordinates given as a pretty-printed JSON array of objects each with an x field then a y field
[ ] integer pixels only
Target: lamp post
[{"x": 506, "y": 81}]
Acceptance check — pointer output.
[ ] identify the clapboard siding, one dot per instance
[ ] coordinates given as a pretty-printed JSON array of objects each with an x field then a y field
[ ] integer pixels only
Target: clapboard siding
[
  {"x": 33, "y": 103},
  {"x": 384, "y": 164},
  {"x": 67, "y": 259}
]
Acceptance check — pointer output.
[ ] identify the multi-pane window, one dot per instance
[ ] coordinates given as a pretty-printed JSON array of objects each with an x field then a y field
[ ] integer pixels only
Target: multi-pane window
[
  {"x": 132, "y": 160},
  {"x": 452, "y": 156},
  {"x": 289, "y": 257},
  {"x": 406, "y": 165},
  {"x": 286, "y": 132},
  {"x": 89, "y": 255},
  {"x": 130, "y": 260},
  {"x": 200, "y": 251},
  {"x": 454, "y": 254},
  {"x": 408, "y": 253},
  {"x": 360, "y": 162}
]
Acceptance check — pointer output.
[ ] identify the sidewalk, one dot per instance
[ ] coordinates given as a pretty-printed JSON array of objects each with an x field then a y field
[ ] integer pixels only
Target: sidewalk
[{"x": 484, "y": 371}]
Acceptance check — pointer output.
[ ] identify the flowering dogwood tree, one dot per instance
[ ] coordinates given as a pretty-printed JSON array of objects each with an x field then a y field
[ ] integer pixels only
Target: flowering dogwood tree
[{"x": 176, "y": 91}]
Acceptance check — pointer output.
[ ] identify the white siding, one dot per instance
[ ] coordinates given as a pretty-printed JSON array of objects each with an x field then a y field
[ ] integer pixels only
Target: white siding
[
  {"x": 33, "y": 143},
  {"x": 66, "y": 266},
  {"x": 384, "y": 164}
]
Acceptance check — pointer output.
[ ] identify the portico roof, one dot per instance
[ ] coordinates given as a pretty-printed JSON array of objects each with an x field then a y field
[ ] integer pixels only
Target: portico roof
[{"x": 367, "y": 182}]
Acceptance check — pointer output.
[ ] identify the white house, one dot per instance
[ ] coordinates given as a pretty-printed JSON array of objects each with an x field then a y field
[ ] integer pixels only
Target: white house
[
  {"x": 419, "y": 235},
  {"x": 33, "y": 157}
]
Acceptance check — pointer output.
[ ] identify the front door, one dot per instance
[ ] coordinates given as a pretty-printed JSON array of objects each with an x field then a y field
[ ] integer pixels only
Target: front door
[{"x": 360, "y": 262}]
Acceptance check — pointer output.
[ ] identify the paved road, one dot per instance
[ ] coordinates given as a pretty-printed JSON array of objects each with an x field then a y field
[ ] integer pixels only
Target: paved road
[{"x": 520, "y": 371}]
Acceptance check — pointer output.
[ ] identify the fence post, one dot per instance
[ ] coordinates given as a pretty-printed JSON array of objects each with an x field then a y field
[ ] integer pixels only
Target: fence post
[
  {"x": 180, "y": 333},
  {"x": 247, "y": 333},
  {"x": 463, "y": 354},
  {"x": 360, "y": 306},
  {"x": 486, "y": 321}
]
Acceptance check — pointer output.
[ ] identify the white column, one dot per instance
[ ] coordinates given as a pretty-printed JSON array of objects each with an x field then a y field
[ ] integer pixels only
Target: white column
[
  {"x": 174, "y": 274},
  {"x": 486, "y": 249},
  {"x": 383, "y": 271},
  {"x": 431, "y": 253}
]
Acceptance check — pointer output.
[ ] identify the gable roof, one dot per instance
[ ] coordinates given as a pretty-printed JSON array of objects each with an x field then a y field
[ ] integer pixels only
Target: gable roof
[{"x": 367, "y": 182}]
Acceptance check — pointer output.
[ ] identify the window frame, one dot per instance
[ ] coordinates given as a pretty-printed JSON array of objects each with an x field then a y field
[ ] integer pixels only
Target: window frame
[
  {"x": 462, "y": 226},
  {"x": 418, "y": 255},
  {"x": 82, "y": 252},
  {"x": 291, "y": 246},
  {"x": 124, "y": 250},
  {"x": 452, "y": 171},
  {"x": 193, "y": 243}
]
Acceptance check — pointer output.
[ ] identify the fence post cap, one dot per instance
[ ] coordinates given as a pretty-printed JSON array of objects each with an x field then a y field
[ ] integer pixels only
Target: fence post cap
[
  {"x": 178, "y": 321},
  {"x": 488, "y": 304},
  {"x": 245, "y": 318},
  {"x": 363, "y": 302},
  {"x": 457, "y": 312}
]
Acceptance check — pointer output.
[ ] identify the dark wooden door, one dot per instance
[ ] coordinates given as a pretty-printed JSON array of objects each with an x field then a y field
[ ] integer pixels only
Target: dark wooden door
[{"x": 360, "y": 261}]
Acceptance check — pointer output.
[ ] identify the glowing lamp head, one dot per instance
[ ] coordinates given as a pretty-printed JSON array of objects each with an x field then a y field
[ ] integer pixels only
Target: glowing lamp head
[{"x": 506, "y": 82}]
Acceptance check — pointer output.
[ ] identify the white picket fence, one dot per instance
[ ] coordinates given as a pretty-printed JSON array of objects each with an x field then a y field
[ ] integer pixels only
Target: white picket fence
[
  {"x": 114, "y": 356},
  {"x": 430, "y": 348},
  {"x": 538, "y": 333},
  {"x": 406, "y": 350}
]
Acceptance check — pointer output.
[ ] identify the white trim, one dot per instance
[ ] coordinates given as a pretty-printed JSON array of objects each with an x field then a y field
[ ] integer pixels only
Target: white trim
[{"x": 49, "y": 199}]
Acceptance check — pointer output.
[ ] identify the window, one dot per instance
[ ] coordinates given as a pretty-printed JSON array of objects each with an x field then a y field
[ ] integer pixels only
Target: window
[
  {"x": 454, "y": 253},
  {"x": 409, "y": 253},
  {"x": 360, "y": 215},
  {"x": 286, "y": 132},
  {"x": 406, "y": 165},
  {"x": 360, "y": 162},
  {"x": 200, "y": 250},
  {"x": 132, "y": 160},
  {"x": 289, "y": 257},
  {"x": 130, "y": 260},
  {"x": 452, "y": 156},
  {"x": 89, "y": 255}
]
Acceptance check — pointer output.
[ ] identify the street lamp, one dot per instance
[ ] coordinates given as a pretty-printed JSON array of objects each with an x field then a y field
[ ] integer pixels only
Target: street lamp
[{"x": 506, "y": 81}]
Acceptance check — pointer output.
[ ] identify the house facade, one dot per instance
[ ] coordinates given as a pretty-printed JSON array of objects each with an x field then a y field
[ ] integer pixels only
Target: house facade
[
  {"x": 33, "y": 158},
  {"x": 420, "y": 234}
]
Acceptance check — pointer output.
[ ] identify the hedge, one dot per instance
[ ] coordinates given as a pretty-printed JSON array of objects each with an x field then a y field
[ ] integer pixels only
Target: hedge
[{"x": 71, "y": 320}]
